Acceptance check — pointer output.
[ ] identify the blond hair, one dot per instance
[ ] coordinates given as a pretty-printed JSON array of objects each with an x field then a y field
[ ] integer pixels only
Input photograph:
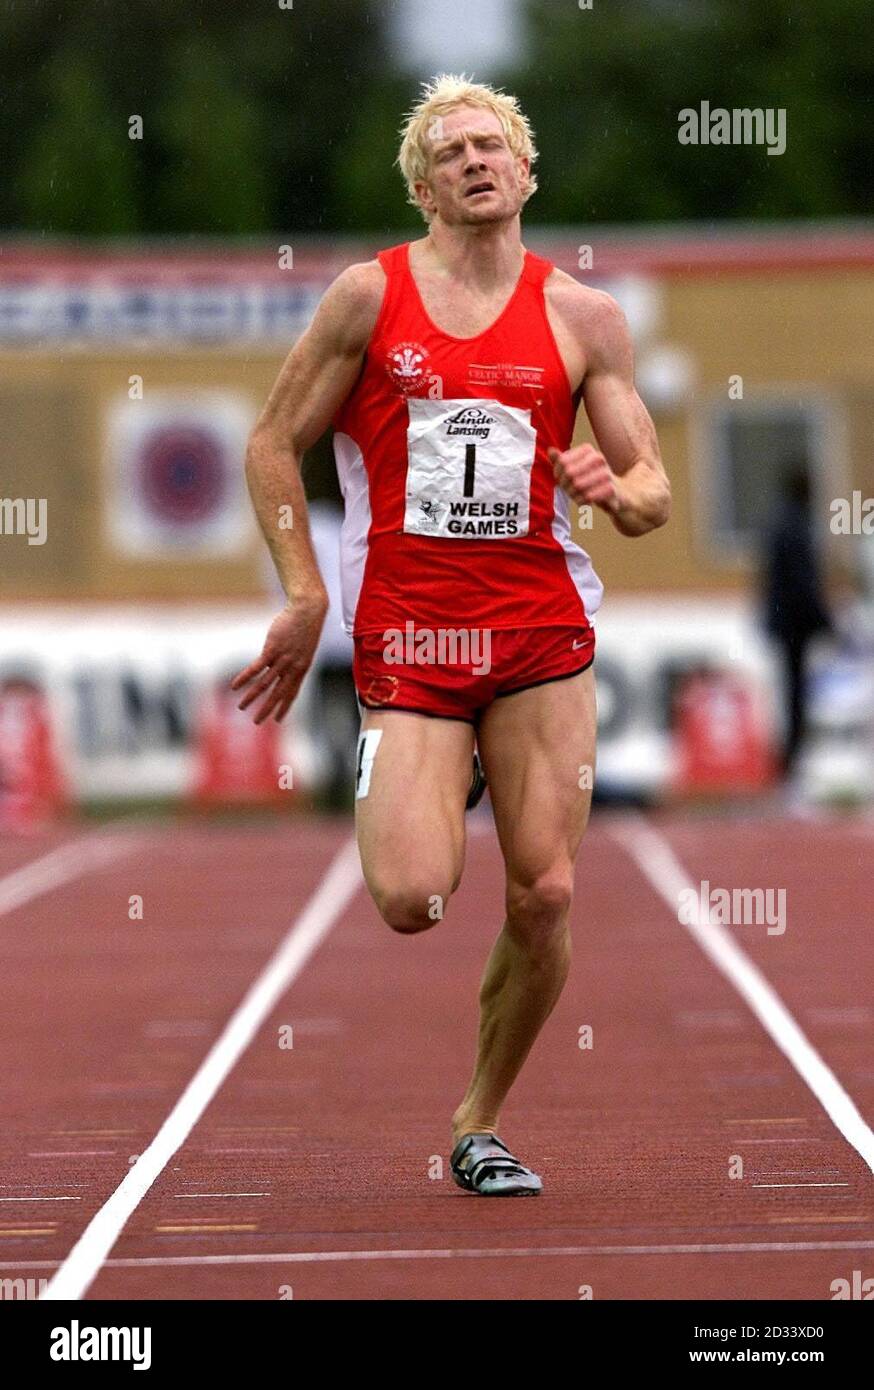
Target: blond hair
[{"x": 439, "y": 97}]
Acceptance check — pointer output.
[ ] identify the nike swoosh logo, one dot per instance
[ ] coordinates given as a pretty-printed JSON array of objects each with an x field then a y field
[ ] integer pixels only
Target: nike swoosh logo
[{"x": 576, "y": 645}]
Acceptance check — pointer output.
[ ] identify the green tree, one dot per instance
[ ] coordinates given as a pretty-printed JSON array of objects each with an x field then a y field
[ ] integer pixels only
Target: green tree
[
  {"x": 368, "y": 190},
  {"x": 245, "y": 106},
  {"x": 258, "y": 119},
  {"x": 77, "y": 174},
  {"x": 604, "y": 88},
  {"x": 213, "y": 177}
]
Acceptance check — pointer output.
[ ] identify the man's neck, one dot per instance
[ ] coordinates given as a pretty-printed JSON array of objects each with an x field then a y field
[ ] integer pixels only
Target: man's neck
[{"x": 481, "y": 257}]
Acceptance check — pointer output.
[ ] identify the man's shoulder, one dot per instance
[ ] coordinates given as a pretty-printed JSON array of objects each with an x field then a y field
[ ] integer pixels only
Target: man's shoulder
[
  {"x": 359, "y": 287},
  {"x": 352, "y": 302},
  {"x": 593, "y": 319},
  {"x": 581, "y": 304}
]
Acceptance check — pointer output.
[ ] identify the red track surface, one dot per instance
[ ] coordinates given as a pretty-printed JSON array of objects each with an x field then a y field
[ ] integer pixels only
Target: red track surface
[{"x": 104, "y": 1020}]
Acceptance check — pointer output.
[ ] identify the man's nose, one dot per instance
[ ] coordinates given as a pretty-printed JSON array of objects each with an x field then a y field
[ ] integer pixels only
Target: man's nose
[{"x": 473, "y": 158}]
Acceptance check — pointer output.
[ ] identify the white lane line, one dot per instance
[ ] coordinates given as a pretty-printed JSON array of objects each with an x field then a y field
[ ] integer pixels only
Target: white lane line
[
  {"x": 800, "y": 1184},
  {"x": 62, "y": 865},
  {"x": 247, "y": 1151},
  {"x": 40, "y": 1199},
  {"x": 337, "y": 889},
  {"x": 809, "y": 1140},
  {"x": 770, "y": 1247},
  {"x": 179, "y": 1195},
  {"x": 657, "y": 862},
  {"x": 73, "y": 1153}
]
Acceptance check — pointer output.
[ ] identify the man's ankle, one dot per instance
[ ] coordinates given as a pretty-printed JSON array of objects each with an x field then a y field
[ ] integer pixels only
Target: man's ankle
[{"x": 464, "y": 1123}]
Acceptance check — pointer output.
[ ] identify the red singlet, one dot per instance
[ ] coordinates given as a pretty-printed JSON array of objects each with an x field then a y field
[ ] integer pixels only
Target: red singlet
[{"x": 452, "y": 515}]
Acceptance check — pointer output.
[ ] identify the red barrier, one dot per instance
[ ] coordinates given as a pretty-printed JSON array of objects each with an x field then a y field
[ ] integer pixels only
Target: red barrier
[
  {"x": 721, "y": 744},
  {"x": 237, "y": 761},
  {"x": 32, "y": 787}
]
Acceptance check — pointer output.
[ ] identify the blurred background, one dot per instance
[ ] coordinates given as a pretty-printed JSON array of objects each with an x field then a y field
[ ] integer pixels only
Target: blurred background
[{"x": 180, "y": 185}]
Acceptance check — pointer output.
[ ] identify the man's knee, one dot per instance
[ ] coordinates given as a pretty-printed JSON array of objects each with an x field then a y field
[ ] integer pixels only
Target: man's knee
[
  {"x": 539, "y": 906},
  {"x": 410, "y": 908}
]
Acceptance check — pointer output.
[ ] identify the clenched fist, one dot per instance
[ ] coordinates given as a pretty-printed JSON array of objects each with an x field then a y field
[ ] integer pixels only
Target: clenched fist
[{"x": 585, "y": 476}]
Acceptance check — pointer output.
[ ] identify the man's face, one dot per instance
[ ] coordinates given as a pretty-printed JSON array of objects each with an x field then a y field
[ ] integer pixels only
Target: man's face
[{"x": 473, "y": 177}]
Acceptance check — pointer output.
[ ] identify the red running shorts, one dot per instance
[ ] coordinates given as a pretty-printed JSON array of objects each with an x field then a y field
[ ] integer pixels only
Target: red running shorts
[{"x": 457, "y": 673}]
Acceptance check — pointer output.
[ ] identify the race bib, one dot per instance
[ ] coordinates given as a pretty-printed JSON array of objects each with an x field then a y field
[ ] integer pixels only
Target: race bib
[{"x": 469, "y": 469}]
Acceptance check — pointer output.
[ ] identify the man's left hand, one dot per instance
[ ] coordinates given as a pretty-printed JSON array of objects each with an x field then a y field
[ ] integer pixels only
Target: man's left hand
[{"x": 586, "y": 476}]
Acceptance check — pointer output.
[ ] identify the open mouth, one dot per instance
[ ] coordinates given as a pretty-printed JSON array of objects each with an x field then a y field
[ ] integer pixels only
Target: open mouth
[{"x": 484, "y": 187}]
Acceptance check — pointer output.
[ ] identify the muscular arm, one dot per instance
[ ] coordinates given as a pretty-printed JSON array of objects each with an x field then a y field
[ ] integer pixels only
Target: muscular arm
[
  {"x": 625, "y": 475},
  {"x": 316, "y": 378}
]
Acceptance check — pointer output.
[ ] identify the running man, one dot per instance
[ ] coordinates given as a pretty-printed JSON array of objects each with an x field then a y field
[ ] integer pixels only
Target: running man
[{"x": 451, "y": 369}]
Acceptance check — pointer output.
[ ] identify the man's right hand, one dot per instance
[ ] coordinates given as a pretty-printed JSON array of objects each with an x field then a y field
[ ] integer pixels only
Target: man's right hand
[{"x": 286, "y": 657}]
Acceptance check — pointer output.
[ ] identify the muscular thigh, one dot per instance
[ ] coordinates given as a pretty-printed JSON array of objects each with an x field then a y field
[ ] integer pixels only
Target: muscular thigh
[
  {"x": 538, "y": 750},
  {"x": 410, "y": 822}
]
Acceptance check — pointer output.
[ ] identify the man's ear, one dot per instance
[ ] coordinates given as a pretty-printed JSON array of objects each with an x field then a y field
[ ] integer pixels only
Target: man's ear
[{"x": 424, "y": 195}]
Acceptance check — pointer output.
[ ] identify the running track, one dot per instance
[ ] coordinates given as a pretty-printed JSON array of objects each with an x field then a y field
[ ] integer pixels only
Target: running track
[{"x": 311, "y": 1168}]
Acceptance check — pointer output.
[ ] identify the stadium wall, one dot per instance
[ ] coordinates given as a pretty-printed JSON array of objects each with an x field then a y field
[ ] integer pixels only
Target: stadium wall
[{"x": 749, "y": 349}]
